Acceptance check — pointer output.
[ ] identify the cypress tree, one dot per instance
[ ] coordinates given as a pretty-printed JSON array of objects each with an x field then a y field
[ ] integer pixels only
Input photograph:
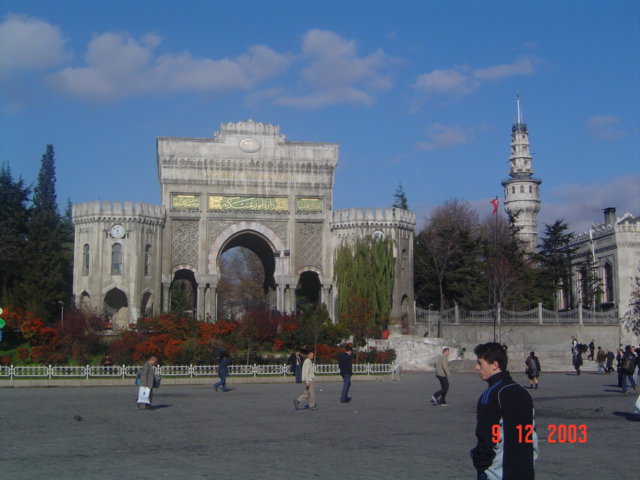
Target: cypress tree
[{"x": 44, "y": 283}]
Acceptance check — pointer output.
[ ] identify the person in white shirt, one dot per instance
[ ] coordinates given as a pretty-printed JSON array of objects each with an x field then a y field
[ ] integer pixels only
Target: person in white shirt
[{"x": 308, "y": 377}]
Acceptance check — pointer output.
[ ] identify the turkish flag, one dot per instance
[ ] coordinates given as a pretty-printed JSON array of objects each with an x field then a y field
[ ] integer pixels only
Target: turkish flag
[{"x": 494, "y": 202}]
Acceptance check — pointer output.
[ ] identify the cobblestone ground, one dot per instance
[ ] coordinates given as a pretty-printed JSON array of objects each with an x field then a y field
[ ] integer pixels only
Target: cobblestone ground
[{"x": 388, "y": 431}]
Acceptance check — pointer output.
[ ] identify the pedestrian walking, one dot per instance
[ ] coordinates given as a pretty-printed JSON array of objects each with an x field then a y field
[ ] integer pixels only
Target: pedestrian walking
[
  {"x": 627, "y": 367},
  {"x": 533, "y": 370},
  {"x": 308, "y": 377},
  {"x": 577, "y": 360},
  {"x": 601, "y": 358},
  {"x": 346, "y": 370},
  {"x": 609, "y": 365},
  {"x": 147, "y": 381},
  {"x": 295, "y": 363},
  {"x": 592, "y": 347},
  {"x": 223, "y": 371},
  {"x": 507, "y": 442},
  {"x": 442, "y": 374}
]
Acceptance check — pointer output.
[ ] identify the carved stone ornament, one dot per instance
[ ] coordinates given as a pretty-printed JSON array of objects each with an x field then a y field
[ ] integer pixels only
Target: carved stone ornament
[{"x": 250, "y": 145}]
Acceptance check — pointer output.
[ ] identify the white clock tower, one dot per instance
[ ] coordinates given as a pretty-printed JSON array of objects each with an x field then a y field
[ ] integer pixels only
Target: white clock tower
[{"x": 522, "y": 190}]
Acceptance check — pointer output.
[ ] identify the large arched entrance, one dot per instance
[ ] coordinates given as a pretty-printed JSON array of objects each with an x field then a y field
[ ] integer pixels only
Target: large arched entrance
[
  {"x": 246, "y": 268},
  {"x": 308, "y": 288},
  {"x": 182, "y": 293},
  {"x": 116, "y": 308}
]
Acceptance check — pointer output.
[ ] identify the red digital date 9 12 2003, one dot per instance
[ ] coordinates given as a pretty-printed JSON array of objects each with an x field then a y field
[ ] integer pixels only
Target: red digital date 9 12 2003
[{"x": 557, "y": 433}]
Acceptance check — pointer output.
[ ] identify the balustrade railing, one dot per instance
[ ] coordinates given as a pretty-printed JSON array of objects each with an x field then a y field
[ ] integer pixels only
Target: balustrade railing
[
  {"x": 130, "y": 371},
  {"x": 536, "y": 316}
]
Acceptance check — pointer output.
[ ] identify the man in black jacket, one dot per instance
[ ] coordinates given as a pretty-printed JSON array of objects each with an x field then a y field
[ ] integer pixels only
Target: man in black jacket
[
  {"x": 507, "y": 441},
  {"x": 344, "y": 363}
]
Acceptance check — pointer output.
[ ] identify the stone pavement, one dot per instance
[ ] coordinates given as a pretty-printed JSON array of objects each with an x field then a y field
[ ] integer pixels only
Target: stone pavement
[{"x": 388, "y": 431}]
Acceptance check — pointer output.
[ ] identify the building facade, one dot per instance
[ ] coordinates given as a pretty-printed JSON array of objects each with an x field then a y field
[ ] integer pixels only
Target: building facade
[
  {"x": 606, "y": 263},
  {"x": 246, "y": 186}
]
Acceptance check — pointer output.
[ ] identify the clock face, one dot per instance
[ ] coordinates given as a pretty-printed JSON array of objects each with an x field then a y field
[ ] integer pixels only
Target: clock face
[
  {"x": 117, "y": 231},
  {"x": 378, "y": 235}
]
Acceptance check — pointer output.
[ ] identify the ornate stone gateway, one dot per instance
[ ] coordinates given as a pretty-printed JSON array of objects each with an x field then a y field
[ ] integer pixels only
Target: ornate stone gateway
[{"x": 247, "y": 186}]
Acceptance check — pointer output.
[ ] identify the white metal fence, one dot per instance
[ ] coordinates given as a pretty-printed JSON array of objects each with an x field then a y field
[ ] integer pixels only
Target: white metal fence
[
  {"x": 191, "y": 371},
  {"x": 536, "y": 316}
]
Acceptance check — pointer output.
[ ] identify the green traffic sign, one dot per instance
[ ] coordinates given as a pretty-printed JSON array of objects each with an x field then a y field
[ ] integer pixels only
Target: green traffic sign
[{"x": 2, "y": 323}]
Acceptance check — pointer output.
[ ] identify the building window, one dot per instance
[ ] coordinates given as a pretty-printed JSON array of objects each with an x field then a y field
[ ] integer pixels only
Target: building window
[
  {"x": 116, "y": 259},
  {"x": 521, "y": 188},
  {"x": 513, "y": 189},
  {"x": 85, "y": 260},
  {"x": 530, "y": 189},
  {"x": 608, "y": 283},
  {"x": 147, "y": 260}
]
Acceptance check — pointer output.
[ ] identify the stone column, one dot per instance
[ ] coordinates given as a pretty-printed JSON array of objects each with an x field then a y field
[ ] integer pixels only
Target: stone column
[
  {"x": 200, "y": 302},
  {"x": 165, "y": 297}
]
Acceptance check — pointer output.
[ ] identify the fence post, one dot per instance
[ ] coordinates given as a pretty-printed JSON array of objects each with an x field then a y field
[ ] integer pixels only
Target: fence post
[
  {"x": 123, "y": 371},
  {"x": 11, "y": 372},
  {"x": 456, "y": 312},
  {"x": 50, "y": 371},
  {"x": 540, "y": 313},
  {"x": 498, "y": 314},
  {"x": 87, "y": 370}
]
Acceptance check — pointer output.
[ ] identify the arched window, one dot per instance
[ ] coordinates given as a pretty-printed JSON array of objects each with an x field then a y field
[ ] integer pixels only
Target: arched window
[
  {"x": 116, "y": 259},
  {"x": 513, "y": 189},
  {"x": 147, "y": 260},
  {"x": 85, "y": 260},
  {"x": 530, "y": 189},
  {"x": 608, "y": 283},
  {"x": 521, "y": 188}
]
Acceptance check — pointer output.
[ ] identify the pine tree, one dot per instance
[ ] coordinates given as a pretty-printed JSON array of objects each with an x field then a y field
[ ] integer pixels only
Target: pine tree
[
  {"x": 555, "y": 262},
  {"x": 14, "y": 215},
  {"x": 400, "y": 198},
  {"x": 44, "y": 284}
]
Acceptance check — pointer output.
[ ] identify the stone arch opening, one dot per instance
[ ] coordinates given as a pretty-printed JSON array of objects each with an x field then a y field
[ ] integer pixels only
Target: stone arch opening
[
  {"x": 85, "y": 302},
  {"x": 246, "y": 265},
  {"x": 146, "y": 305},
  {"x": 182, "y": 293},
  {"x": 116, "y": 308},
  {"x": 308, "y": 288}
]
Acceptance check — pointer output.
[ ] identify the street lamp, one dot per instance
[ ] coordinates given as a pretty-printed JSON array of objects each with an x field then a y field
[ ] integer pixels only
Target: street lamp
[{"x": 61, "y": 303}]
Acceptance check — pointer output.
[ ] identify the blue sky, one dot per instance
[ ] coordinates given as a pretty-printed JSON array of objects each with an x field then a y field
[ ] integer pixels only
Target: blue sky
[{"x": 417, "y": 92}]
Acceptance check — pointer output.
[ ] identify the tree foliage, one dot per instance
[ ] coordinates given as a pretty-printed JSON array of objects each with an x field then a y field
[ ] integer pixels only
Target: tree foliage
[
  {"x": 448, "y": 257},
  {"x": 365, "y": 271},
  {"x": 400, "y": 198},
  {"x": 14, "y": 217},
  {"x": 554, "y": 257},
  {"x": 46, "y": 281}
]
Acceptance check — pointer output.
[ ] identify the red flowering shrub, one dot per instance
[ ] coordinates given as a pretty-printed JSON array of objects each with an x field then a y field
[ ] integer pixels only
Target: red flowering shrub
[
  {"x": 278, "y": 345},
  {"x": 46, "y": 354},
  {"x": 153, "y": 345},
  {"x": 172, "y": 350},
  {"x": 223, "y": 328},
  {"x": 121, "y": 349},
  {"x": 23, "y": 354},
  {"x": 327, "y": 353},
  {"x": 5, "y": 360}
]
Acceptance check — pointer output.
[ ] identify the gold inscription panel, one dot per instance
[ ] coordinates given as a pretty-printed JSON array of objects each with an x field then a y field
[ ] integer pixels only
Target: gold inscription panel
[
  {"x": 185, "y": 202},
  {"x": 310, "y": 205},
  {"x": 248, "y": 204}
]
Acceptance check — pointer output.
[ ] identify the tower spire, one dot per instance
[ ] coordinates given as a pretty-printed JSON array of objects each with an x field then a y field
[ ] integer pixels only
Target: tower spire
[{"x": 518, "y": 108}]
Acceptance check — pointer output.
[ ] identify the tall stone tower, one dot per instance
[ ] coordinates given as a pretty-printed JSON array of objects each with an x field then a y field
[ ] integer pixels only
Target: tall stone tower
[{"x": 522, "y": 190}]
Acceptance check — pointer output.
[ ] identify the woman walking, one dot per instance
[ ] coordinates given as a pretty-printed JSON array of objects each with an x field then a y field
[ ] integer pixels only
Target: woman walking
[{"x": 533, "y": 370}]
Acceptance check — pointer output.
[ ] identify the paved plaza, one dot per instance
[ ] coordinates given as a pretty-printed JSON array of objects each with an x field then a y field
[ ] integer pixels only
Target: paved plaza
[{"x": 388, "y": 431}]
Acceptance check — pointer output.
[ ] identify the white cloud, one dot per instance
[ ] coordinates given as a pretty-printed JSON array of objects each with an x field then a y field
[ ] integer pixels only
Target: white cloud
[
  {"x": 523, "y": 66},
  {"x": 336, "y": 74},
  {"x": 446, "y": 81},
  {"x": 605, "y": 127},
  {"x": 581, "y": 205},
  {"x": 30, "y": 44},
  {"x": 119, "y": 66},
  {"x": 463, "y": 80},
  {"x": 442, "y": 136}
]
